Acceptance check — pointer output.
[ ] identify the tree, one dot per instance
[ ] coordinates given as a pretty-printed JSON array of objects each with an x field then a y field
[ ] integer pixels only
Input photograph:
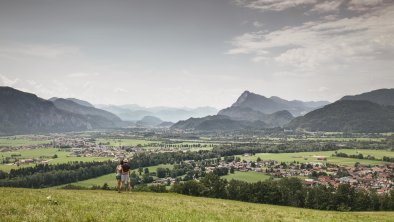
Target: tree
[
  {"x": 105, "y": 186},
  {"x": 146, "y": 171},
  {"x": 161, "y": 172},
  {"x": 215, "y": 186},
  {"x": 140, "y": 170}
]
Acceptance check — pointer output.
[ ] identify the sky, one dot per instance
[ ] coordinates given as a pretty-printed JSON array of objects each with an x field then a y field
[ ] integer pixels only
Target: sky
[{"x": 196, "y": 53}]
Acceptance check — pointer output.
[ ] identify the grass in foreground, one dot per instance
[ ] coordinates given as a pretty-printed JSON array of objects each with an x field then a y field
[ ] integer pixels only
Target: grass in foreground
[{"x": 81, "y": 205}]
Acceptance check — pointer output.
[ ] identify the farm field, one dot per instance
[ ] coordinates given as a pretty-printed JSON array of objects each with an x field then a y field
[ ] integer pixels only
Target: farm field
[
  {"x": 110, "y": 178},
  {"x": 343, "y": 139},
  {"x": 125, "y": 142},
  {"x": 304, "y": 157},
  {"x": 87, "y": 205},
  {"x": 46, "y": 152},
  {"x": 21, "y": 141},
  {"x": 250, "y": 176},
  {"x": 31, "y": 153}
]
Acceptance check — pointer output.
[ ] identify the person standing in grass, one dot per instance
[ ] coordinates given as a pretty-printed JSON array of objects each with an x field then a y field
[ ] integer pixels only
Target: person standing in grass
[
  {"x": 126, "y": 174},
  {"x": 118, "y": 172}
]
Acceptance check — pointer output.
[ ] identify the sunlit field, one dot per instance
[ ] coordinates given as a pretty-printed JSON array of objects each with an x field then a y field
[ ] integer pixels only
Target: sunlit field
[
  {"x": 48, "y": 153},
  {"x": 250, "y": 176},
  {"x": 304, "y": 157}
]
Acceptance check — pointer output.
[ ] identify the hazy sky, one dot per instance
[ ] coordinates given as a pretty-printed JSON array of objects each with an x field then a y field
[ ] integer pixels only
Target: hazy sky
[{"x": 196, "y": 52}]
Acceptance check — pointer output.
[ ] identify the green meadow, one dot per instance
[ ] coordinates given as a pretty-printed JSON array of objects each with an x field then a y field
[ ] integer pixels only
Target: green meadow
[
  {"x": 63, "y": 157},
  {"x": 125, "y": 142},
  {"x": 22, "y": 141},
  {"x": 88, "y": 205},
  {"x": 250, "y": 176},
  {"x": 304, "y": 157}
]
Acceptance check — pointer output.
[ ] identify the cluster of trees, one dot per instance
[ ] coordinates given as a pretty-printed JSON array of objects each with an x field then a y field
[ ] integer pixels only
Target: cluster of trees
[
  {"x": 287, "y": 147},
  {"x": 361, "y": 156},
  {"x": 388, "y": 159},
  {"x": 152, "y": 159},
  {"x": 42, "y": 176},
  {"x": 355, "y": 156},
  {"x": 288, "y": 192}
]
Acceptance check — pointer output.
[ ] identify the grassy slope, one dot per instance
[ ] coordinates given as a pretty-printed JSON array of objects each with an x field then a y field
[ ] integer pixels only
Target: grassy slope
[{"x": 32, "y": 205}]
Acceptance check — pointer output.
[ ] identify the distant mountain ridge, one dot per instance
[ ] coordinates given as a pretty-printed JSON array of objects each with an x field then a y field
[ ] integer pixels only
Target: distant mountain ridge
[
  {"x": 217, "y": 123},
  {"x": 367, "y": 112},
  {"x": 347, "y": 116},
  {"x": 381, "y": 96},
  {"x": 134, "y": 112},
  {"x": 275, "y": 119},
  {"x": 149, "y": 121},
  {"x": 99, "y": 118},
  {"x": 274, "y": 104},
  {"x": 22, "y": 113},
  {"x": 78, "y": 101},
  {"x": 251, "y": 111}
]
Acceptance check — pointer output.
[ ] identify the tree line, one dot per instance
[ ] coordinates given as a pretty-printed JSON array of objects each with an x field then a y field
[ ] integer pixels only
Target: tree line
[
  {"x": 42, "y": 176},
  {"x": 361, "y": 156},
  {"x": 288, "y": 192}
]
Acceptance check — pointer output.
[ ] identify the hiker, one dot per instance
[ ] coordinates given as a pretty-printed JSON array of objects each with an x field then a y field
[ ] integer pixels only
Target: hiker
[
  {"x": 126, "y": 174},
  {"x": 118, "y": 172}
]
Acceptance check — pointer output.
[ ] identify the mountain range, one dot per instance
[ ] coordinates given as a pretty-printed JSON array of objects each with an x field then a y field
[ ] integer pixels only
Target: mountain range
[
  {"x": 23, "y": 113},
  {"x": 274, "y": 104},
  {"x": 135, "y": 113},
  {"x": 251, "y": 111},
  {"x": 368, "y": 112}
]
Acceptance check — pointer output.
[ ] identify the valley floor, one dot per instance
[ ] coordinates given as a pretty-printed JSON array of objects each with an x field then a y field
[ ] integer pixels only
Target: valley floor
[{"x": 86, "y": 205}]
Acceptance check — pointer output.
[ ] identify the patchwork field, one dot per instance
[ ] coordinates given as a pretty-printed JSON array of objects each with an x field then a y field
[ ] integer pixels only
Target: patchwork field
[
  {"x": 250, "y": 176},
  {"x": 125, "y": 142},
  {"x": 304, "y": 157},
  {"x": 62, "y": 157},
  {"x": 21, "y": 141},
  {"x": 82, "y": 205}
]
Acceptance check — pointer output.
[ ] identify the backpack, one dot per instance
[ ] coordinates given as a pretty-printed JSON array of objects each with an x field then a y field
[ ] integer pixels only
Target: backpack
[{"x": 125, "y": 167}]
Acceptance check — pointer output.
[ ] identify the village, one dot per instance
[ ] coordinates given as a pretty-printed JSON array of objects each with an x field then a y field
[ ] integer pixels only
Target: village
[
  {"x": 379, "y": 177},
  {"x": 376, "y": 177}
]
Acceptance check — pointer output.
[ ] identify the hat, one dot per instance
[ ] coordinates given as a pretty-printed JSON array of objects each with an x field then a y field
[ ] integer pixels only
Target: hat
[{"x": 125, "y": 161}]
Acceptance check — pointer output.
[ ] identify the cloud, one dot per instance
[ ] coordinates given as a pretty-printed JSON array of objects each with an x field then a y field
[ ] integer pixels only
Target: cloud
[
  {"x": 258, "y": 24},
  {"x": 82, "y": 74},
  {"x": 319, "y": 6},
  {"x": 364, "y": 5},
  {"x": 120, "y": 90},
  {"x": 5, "y": 81},
  {"x": 12, "y": 50},
  {"x": 327, "y": 6},
  {"x": 274, "y": 5},
  {"x": 323, "y": 42}
]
